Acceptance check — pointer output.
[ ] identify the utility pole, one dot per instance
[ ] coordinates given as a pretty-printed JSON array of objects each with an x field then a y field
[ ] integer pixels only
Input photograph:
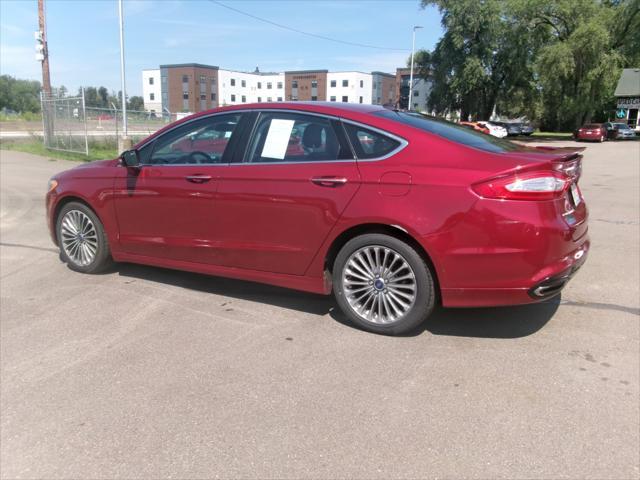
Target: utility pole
[
  {"x": 42, "y": 55},
  {"x": 125, "y": 141},
  {"x": 413, "y": 49},
  {"x": 43, "y": 49}
]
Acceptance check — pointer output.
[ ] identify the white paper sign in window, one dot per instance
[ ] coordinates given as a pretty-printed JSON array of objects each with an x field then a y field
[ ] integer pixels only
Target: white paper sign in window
[{"x": 275, "y": 146}]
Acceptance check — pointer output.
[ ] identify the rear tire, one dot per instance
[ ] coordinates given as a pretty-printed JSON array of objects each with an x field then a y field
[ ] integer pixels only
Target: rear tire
[
  {"x": 83, "y": 244},
  {"x": 382, "y": 284}
]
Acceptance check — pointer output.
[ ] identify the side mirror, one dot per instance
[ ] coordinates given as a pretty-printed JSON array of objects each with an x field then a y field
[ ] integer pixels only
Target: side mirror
[{"x": 130, "y": 158}]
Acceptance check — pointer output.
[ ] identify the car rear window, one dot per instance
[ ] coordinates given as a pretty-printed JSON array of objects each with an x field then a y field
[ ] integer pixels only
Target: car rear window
[
  {"x": 451, "y": 131},
  {"x": 592, "y": 125}
]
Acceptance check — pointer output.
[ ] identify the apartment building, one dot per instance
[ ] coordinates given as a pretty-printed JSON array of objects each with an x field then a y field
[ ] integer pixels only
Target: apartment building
[
  {"x": 194, "y": 87},
  {"x": 350, "y": 87},
  {"x": 383, "y": 86},
  {"x": 421, "y": 91},
  {"x": 151, "y": 91},
  {"x": 306, "y": 85}
]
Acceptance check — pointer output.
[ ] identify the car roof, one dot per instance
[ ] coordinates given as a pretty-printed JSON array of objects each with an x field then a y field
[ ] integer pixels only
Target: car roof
[{"x": 335, "y": 108}]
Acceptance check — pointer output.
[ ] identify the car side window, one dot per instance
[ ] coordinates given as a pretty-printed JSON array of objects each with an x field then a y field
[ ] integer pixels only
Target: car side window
[
  {"x": 201, "y": 141},
  {"x": 370, "y": 144},
  {"x": 292, "y": 137}
]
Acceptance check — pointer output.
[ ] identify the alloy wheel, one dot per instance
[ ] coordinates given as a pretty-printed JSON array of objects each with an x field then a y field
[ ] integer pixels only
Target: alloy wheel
[
  {"x": 379, "y": 284},
  {"x": 79, "y": 237}
]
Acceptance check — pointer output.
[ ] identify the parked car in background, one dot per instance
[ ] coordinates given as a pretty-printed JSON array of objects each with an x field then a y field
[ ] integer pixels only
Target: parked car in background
[
  {"x": 611, "y": 130},
  {"x": 476, "y": 126},
  {"x": 339, "y": 197},
  {"x": 595, "y": 132},
  {"x": 513, "y": 129},
  {"x": 526, "y": 129},
  {"x": 495, "y": 130},
  {"x": 624, "y": 131}
]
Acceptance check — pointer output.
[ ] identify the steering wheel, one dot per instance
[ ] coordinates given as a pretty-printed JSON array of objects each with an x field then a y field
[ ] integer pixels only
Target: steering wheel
[{"x": 199, "y": 157}]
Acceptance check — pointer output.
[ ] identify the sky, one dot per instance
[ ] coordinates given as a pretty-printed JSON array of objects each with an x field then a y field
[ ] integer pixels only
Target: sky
[{"x": 84, "y": 48}]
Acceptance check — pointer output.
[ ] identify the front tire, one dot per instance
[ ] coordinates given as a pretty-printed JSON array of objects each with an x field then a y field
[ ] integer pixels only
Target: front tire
[
  {"x": 83, "y": 243},
  {"x": 382, "y": 284}
]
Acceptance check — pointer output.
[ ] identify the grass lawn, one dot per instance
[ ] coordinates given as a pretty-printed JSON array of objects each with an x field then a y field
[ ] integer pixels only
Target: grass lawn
[
  {"x": 97, "y": 150},
  {"x": 553, "y": 135}
]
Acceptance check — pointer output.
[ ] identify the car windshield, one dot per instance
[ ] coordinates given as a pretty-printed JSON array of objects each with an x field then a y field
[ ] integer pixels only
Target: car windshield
[
  {"x": 621, "y": 126},
  {"x": 451, "y": 131}
]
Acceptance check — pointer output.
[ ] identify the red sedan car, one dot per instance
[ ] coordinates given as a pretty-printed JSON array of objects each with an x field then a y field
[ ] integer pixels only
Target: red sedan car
[
  {"x": 393, "y": 212},
  {"x": 596, "y": 132}
]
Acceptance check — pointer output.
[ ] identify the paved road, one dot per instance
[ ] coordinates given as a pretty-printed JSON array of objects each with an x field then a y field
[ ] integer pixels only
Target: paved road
[{"x": 149, "y": 373}]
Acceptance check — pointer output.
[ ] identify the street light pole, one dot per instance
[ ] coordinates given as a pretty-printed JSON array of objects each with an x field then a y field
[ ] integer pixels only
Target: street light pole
[
  {"x": 413, "y": 49},
  {"x": 125, "y": 143}
]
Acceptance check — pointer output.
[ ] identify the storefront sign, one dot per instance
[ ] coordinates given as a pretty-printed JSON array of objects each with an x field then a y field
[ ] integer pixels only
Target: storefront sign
[{"x": 628, "y": 102}]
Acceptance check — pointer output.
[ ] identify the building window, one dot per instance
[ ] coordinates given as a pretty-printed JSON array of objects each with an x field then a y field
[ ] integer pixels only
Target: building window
[
  {"x": 259, "y": 84},
  {"x": 213, "y": 80},
  {"x": 345, "y": 83},
  {"x": 361, "y": 85},
  {"x": 345, "y": 98},
  {"x": 259, "y": 99},
  {"x": 314, "y": 84},
  {"x": 185, "y": 105},
  {"x": 279, "y": 99},
  {"x": 233, "y": 98},
  {"x": 233, "y": 82},
  {"x": 279, "y": 84},
  {"x": 213, "y": 97},
  {"x": 150, "y": 80},
  {"x": 333, "y": 83},
  {"x": 244, "y": 99},
  {"x": 152, "y": 97},
  {"x": 415, "y": 94},
  {"x": 269, "y": 99},
  {"x": 360, "y": 99},
  {"x": 294, "y": 98},
  {"x": 243, "y": 83},
  {"x": 294, "y": 84},
  {"x": 203, "y": 79},
  {"x": 332, "y": 99},
  {"x": 185, "y": 95},
  {"x": 204, "y": 97},
  {"x": 269, "y": 85},
  {"x": 185, "y": 79},
  {"x": 415, "y": 105},
  {"x": 314, "y": 98}
]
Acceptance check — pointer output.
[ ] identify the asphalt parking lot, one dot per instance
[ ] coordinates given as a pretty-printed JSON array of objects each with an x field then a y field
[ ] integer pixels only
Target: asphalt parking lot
[{"x": 150, "y": 373}]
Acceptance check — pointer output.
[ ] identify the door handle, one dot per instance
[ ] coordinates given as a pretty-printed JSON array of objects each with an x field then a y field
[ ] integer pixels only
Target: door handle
[
  {"x": 198, "y": 178},
  {"x": 329, "y": 181}
]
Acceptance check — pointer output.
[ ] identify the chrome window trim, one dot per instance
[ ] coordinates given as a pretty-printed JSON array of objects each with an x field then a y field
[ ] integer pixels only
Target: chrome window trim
[{"x": 402, "y": 146}]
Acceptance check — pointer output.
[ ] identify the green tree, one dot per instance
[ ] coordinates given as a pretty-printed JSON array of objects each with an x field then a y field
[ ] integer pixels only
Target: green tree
[
  {"x": 135, "y": 103},
  {"x": 553, "y": 60},
  {"x": 586, "y": 46},
  {"x": 483, "y": 54},
  {"x": 19, "y": 95}
]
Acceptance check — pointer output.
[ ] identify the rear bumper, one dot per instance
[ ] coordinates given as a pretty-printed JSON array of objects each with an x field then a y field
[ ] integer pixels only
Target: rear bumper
[
  {"x": 548, "y": 282},
  {"x": 553, "y": 285}
]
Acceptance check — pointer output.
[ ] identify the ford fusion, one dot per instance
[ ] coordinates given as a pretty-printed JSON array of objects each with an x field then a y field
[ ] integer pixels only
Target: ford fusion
[{"x": 393, "y": 212}]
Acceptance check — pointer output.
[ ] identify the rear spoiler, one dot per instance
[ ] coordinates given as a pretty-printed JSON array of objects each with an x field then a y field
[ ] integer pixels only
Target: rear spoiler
[{"x": 567, "y": 161}]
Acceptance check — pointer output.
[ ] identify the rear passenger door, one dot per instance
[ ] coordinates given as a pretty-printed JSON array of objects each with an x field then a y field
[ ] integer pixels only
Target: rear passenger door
[{"x": 279, "y": 200}]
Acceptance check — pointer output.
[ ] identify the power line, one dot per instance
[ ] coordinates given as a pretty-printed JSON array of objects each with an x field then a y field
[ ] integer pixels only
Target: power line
[{"x": 291, "y": 29}]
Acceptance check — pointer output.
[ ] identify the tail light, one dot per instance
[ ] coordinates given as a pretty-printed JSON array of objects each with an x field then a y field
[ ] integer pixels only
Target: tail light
[{"x": 525, "y": 185}]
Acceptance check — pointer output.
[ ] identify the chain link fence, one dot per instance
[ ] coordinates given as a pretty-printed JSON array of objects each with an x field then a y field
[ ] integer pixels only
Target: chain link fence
[
  {"x": 69, "y": 125},
  {"x": 64, "y": 124}
]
